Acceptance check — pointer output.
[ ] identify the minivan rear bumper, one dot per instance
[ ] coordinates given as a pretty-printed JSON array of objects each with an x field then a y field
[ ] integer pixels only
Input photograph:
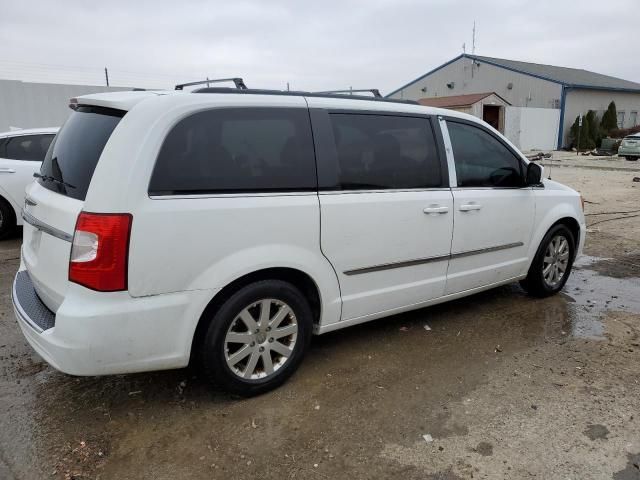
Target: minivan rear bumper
[{"x": 110, "y": 333}]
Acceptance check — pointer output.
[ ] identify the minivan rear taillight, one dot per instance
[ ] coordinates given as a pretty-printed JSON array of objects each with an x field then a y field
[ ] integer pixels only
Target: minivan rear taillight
[{"x": 100, "y": 251}]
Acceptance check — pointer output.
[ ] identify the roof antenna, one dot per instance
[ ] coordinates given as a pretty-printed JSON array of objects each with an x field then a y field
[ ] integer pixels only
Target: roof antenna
[
  {"x": 473, "y": 45},
  {"x": 464, "y": 48}
]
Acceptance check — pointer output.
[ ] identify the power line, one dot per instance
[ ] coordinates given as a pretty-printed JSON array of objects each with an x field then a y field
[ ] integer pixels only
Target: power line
[{"x": 57, "y": 73}]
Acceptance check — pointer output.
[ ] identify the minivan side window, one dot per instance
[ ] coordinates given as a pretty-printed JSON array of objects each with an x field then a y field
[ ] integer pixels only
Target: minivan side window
[
  {"x": 27, "y": 147},
  {"x": 482, "y": 160},
  {"x": 236, "y": 150},
  {"x": 385, "y": 152}
]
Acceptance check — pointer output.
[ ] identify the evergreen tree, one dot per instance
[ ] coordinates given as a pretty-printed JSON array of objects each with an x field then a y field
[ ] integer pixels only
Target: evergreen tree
[
  {"x": 609, "y": 119},
  {"x": 594, "y": 128},
  {"x": 573, "y": 132},
  {"x": 586, "y": 142}
]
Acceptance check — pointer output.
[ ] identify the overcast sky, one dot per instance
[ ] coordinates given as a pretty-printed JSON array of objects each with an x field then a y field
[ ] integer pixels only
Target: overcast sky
[{"x": 314, "y": 45}]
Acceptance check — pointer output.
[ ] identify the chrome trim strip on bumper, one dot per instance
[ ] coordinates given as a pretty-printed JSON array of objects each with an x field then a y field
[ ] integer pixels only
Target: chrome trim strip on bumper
[
  {"x": 439, "y": 258},
  {"x": 34, "y": 222}
]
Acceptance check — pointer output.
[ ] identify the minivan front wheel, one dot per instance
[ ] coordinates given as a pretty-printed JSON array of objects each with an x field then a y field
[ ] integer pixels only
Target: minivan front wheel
[
  {"x": 552, "y": 264},
  {"x": 257, "y": 338}
]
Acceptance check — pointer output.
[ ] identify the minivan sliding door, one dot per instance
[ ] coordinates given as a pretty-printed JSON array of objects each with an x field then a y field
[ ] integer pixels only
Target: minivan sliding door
[{"x": 386, "y": 209}]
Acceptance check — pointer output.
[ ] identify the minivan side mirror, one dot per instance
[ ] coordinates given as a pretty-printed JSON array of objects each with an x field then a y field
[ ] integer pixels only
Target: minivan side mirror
[{"x": 534, "y": 174}]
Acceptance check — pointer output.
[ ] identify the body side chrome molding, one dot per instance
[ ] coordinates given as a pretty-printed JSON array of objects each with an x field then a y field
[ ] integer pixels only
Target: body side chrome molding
[
  {"x": 388, "y": 266},
  {"x": 439, "y": 258},
  {"x": 468, "y": 253},
  {"x": 34, "y": 222}
]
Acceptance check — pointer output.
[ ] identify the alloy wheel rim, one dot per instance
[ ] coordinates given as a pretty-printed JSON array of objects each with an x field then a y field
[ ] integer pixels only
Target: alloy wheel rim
[
  {"x": 556, "y": 260},
  {"x": 261, "y": 338}
]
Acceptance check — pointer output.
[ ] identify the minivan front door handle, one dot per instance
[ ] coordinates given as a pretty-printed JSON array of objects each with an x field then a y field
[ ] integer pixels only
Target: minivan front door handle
[
  {"x": 435, "y": 209},
  {"x": 467, "y": 207},
  {"x": 7, "y": 170}
]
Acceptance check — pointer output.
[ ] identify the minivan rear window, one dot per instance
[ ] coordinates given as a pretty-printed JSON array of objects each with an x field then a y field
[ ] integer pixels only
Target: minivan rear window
[{"x": 73, "y": 155}]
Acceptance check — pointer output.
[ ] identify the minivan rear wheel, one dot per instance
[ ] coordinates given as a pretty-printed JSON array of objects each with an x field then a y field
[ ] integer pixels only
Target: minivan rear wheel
[
  {"x": 7, "y": 219},
  {"x": 552, "y": 264},
  {"x": 257, "y": 338}
]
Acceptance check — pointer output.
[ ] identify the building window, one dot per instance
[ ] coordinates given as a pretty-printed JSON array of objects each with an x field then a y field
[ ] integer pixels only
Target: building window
[
  {"x": 633, "y": 117},
  {"x": 620, "y": 119}
]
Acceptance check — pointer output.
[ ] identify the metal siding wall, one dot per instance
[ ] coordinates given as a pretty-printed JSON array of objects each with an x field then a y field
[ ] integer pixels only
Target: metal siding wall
[
  {"x": 581, "y": 101},
  {"x": 532, "y": 128},
  {"x": 486, "y": 78},
  {"x": 35, "y": 105}
]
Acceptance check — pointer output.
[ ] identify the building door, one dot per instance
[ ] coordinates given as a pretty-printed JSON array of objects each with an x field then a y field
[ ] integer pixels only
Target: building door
[{"x": 491, "y": 115}]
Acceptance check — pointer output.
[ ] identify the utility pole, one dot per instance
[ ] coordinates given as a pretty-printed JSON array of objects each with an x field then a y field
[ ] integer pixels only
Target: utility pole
[{"x": 106, "y": 75}]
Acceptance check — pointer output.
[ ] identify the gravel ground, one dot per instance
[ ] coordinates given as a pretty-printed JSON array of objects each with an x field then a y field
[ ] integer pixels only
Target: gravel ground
[{"x": 502, "y": 386}]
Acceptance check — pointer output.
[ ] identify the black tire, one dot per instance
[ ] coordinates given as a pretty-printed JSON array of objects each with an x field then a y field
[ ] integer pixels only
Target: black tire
[
  {"x": 535, "y": 283},
  {"x": 212, "y": 349},
  {"x": 632, "y": 159},
  {"x": 7, "y": 219}
]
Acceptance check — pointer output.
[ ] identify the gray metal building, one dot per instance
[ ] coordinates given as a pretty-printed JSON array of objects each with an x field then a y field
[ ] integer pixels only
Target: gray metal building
[
  {"x": 36, "y": 105},
  {"x": 571, "y": 91}
]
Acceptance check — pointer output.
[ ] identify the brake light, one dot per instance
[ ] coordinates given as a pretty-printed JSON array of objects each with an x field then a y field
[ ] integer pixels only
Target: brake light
[{"x": 100, "y": 251}]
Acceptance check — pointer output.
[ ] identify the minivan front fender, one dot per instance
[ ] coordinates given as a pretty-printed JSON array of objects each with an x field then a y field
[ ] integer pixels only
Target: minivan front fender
[{"x": 550, "y": 211}]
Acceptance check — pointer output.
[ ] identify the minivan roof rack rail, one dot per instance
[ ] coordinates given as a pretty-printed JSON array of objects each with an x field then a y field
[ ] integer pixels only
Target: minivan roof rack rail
[
  {"x": 239, "y": 83},
  {"x": 292, "y": 93},
  {"x": 375, "y": 91}
]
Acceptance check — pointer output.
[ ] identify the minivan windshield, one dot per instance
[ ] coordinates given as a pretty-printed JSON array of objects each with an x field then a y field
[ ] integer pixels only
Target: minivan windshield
[{"x": 73, "y": 155}]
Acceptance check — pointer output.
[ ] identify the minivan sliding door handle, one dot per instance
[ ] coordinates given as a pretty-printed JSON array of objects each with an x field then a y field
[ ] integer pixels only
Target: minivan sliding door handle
[
  {"x": 467, "y": 207},
  {"x": 7, "y": 170},
  {"x": 436, "y": 209}
]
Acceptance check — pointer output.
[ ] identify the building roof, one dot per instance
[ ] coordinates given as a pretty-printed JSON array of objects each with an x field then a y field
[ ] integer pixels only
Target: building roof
[
  {"x": 569, "y": 77},
  {"x": 457, "y": 100},
  {"x": 574, "y": 77}
]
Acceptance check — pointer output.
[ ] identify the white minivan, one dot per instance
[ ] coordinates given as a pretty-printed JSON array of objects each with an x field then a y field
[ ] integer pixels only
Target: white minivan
[{"x": 225, "y": 227}]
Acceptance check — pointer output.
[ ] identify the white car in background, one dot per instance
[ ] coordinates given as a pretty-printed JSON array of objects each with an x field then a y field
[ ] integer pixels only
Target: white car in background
[{"x": 21, "y": 154}]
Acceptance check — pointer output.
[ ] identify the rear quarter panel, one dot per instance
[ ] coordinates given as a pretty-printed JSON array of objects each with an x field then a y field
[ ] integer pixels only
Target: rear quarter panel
[{"x": 204, "y": 242}]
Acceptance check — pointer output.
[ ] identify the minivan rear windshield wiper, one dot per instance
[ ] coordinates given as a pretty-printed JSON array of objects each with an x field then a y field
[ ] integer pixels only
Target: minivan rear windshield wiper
[{"x": 49, "y": 178}]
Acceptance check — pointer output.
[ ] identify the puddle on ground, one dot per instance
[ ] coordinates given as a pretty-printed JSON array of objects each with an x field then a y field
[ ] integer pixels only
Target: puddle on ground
[{"x": 591, "y": 295}]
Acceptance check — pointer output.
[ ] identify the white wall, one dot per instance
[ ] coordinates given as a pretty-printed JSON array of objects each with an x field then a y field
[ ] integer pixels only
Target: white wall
[
  {"x": 525, "y": 91},
  {"x": 532, "y": 128},
  {"x": 35, "y": 105}
]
